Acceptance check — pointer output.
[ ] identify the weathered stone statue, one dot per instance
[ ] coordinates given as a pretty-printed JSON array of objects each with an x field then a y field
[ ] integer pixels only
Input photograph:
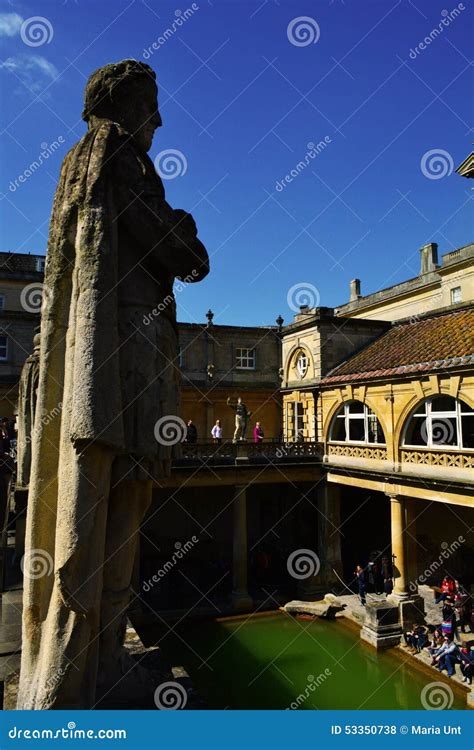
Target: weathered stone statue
[
  {"x": 114, "y": 249},
  {"x": 242, "y": 416},
  {"x": 27, "y": 392}
]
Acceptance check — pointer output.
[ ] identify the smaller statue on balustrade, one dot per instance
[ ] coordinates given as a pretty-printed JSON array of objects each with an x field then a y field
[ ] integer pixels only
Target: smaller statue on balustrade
[{"x": 242, "y": 416}]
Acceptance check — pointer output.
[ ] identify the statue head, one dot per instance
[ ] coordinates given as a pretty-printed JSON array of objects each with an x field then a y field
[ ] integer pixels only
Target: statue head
[{"x": 126, "y": 93}]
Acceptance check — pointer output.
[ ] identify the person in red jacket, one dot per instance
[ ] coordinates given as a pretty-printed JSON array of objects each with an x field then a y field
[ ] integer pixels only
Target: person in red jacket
[{"x": 448, "y": 589}]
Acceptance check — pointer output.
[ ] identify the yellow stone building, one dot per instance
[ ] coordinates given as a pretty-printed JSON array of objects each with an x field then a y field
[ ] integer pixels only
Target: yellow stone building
[{"x": 391, "y": 400}]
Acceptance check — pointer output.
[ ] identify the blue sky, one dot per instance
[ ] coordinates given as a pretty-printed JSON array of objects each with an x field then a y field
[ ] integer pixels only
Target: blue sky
[{"x": 244, "y": 88}]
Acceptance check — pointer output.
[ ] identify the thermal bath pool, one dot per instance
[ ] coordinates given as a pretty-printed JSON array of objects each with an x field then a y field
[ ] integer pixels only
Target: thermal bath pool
[{"x": 270, "y": 662}]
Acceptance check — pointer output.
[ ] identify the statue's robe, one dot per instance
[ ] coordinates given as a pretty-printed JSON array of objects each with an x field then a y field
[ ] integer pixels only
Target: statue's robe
[
  {"x": 112, "y": 376},
  {"x": 26, "y": 413}
]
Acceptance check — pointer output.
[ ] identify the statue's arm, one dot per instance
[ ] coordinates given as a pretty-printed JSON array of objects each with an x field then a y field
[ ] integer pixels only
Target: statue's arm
[{"x": 166, "y": 237}]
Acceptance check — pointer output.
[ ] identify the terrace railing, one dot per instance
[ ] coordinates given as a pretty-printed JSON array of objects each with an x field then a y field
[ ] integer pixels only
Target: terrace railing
[{"x": 266, "y": 451}]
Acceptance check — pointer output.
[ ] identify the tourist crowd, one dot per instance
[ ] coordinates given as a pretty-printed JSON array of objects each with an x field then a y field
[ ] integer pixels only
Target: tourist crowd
[{"x": 443, "y": 641}]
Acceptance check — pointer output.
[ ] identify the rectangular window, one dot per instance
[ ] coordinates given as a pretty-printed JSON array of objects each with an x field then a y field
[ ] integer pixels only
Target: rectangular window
[
  {"x": 40, "y": 264},
  {"x": 3, "y": 348},
  {"x": 455, "y": 295},
  {"x": 245, "y": 359},
  {"x": 299, "y": 422}
]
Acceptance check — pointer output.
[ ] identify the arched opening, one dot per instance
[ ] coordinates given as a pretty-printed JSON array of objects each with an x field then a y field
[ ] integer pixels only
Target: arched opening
[
  {"x": 355, "y": 422},
  {"x": 440, "y": 422}
]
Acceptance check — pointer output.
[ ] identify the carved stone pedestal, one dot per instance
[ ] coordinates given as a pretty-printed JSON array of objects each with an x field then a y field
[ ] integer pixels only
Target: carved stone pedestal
[
  {"x": 411, "y": 609},
  {"x": 381, "y": 628}
]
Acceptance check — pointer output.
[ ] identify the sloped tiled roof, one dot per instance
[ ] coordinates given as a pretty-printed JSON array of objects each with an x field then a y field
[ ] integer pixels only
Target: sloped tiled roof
[
  {"x": 432, "y": 343},
  {"x": 14, "y": 263}
]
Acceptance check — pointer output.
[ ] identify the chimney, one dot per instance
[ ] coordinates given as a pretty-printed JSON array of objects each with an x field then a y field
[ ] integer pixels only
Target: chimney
[
  {"x": 429, "y": 257},
  {"x": 354, "y": 287}
]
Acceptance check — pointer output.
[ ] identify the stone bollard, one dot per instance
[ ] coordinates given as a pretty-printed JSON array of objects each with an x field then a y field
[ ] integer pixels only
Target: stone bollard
[{"x": 381, "y": 627}]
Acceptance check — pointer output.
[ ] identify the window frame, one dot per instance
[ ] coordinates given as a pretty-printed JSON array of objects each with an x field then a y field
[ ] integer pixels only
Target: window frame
[
  {"x": 456, "y": 414},
  {"x": 299, "y": 356},
  {"x": 452, "y": 291},
  {"x": 248, "y": 349},
  {"x": 344, "y": 413},
  {"x": 5, "y": 358}
]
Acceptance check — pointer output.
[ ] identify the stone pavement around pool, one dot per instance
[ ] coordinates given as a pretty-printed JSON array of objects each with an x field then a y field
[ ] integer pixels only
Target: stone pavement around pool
[{"x": 356, "y": 612}]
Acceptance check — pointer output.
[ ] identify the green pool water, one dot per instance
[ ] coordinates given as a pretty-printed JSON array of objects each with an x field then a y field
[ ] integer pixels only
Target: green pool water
[{"x": 267, "y": 662}]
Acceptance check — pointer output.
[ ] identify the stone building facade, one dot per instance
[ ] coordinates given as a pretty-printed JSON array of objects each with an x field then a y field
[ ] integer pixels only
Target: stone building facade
[
  {"x": 437, "y": 285},
  {"x": 21, "y": 277},
  {"x": 216, "y": 362},
  {"x": 312, "y": 345},
  {"x": 219, "y": 362},
  {"x": 398, "y": 435}
]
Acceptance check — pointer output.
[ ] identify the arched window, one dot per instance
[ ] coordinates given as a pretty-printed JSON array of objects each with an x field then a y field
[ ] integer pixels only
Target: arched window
[
  {"x": 441, "y": 421},
  {"x": 355, "y": 422}
]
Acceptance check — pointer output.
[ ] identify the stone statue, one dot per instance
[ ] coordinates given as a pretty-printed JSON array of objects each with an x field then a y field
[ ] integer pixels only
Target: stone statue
[
  {"x": 242, "y": 417},
  {"x": 110, "y": 360},
  {"x": 26, "y": 409},
  {"x": 27, "y": 392}
]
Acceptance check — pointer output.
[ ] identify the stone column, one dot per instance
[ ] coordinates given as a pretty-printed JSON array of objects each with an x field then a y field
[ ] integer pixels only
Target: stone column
[
  {"x": 411, "y": 545},
  {"x": 398, "y": 547},
  {"x": 329, "y": 533},
  {"x": 411, "y": 606},
  {"x": 240, "y": 596}
]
